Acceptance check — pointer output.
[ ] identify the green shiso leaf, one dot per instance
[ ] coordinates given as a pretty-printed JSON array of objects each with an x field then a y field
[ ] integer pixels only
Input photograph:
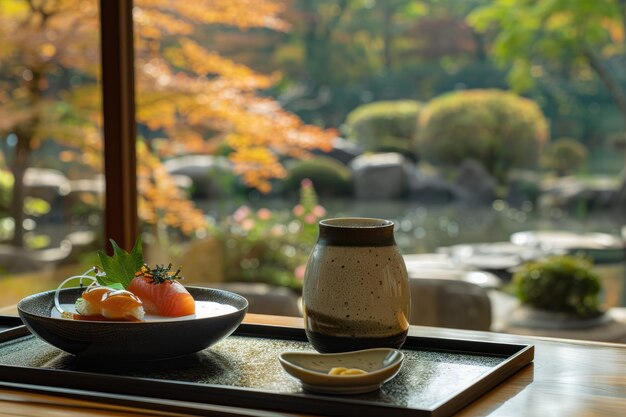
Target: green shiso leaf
[
  {"x": 119, "y": 269},
  {"x": 117, "y": 286}
]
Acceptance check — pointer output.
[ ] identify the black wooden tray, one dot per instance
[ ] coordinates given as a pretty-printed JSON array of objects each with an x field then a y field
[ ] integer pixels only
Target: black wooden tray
[
  {"x": 11, "y": 327},
  {"x": 439, "y": 376}
]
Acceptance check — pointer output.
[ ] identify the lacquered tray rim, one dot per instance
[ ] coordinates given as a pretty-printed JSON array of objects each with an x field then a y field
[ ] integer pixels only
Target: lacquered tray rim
[
  {"x": 87, "y": 382},
  {"x": 11, "y": 328}
]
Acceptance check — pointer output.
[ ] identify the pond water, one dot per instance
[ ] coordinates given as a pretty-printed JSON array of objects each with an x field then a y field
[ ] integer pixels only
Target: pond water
[
  {"x": 421, "y": 228},
  {"x": 425, "y": 229}
]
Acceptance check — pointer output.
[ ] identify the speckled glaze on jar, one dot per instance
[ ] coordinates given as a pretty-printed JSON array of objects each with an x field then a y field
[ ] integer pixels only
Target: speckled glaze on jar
[{"x": 356, "y": 291}]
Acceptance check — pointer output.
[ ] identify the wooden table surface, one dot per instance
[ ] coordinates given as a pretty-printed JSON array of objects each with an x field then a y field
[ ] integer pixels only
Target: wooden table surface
[{"x": 567, "y": 378}]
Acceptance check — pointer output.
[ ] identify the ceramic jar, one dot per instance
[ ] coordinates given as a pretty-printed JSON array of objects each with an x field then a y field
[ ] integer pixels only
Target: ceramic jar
[{"x": 356, "y": 292}]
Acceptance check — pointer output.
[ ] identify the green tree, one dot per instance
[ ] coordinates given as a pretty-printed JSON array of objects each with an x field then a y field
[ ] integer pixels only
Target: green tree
[
  {"x": 582, "y": 38},
  {"x": 42, "y": 45},
  {"x": 335, "y": 48}
]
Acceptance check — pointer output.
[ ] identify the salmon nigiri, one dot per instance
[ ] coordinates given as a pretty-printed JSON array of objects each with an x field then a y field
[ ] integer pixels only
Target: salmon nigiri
[
  {"x": 90, "y": 302},
  {"x": 122, "y": 305},
  {"x": 161, "y": 293},
  {"x": 103, "y": 303}
]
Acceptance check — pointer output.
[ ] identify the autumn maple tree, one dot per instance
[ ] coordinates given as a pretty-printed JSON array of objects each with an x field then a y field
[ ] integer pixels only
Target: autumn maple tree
[{"x": 194, "y": 98}]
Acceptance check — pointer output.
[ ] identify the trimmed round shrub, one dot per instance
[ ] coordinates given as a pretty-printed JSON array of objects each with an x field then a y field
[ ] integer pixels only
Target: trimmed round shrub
[
  {"x": 564, "y": 284},
  {"x": 375, "y": 125},
  {"x": 497, "y": 128},
  {"x": 329, "y": 176},
  {"x": 565, "y": 156}
]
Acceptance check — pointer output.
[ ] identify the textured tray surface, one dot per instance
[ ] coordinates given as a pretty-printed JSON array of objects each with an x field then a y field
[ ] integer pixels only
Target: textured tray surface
[{"x": 427, "y": 377}]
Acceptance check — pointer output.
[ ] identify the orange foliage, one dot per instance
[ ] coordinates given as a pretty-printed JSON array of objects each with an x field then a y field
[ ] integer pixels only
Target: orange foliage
[
  {"x": 243, "y": 14},
  {"x": 160, "y": 200},
  {"x": 186, "y": 92},
  {"x": 187, "y": 88}
]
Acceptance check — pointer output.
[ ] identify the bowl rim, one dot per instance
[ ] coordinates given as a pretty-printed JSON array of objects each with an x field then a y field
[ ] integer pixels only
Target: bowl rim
[{"x": 22, "y": 311}]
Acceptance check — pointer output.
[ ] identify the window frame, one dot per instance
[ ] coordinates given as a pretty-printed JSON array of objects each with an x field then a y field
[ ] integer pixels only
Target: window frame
[{"x": 119, "y": 125}]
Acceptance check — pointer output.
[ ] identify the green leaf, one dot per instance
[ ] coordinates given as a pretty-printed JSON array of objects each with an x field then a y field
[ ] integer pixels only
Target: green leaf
[
  {"x": 116, "y": 286},
  {"x": 119, "y": 269}
]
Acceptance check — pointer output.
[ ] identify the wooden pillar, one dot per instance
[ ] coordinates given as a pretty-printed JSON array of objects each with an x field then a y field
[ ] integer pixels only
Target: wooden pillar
[{"x": 118, "y": 105}]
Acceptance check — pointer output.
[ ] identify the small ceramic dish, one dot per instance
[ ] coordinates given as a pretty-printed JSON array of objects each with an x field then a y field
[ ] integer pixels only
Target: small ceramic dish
[{"x": 380, "y": 364}]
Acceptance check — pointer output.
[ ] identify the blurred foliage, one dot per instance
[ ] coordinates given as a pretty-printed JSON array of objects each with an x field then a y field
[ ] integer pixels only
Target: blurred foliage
[
  {"x": 564, "y": 284},
  {"x": 33, "y": 207},
  {"x": 271, "y": 246},
  {"x": 606, "y": 162},
  {"x": 565, "y": 156},
  {"x": 384, "y": 124},
  {"x": 36, "y": 206},
  {"x": 35, "y": 241},
  {"x": 329, "y": 176},
  {"x": 568, "y": 54},
  {"x": 339, "y": 55},
  {"x": 6, "y": 186},
  {"x": 191, "y": 95},
  {"x": 497, "y": 128},
  {"x": 169, "y": 209},
  {"x": 541, "y": 37},
  {"x": 199, "y": 99},
  {"x": 7, "y": 225}
]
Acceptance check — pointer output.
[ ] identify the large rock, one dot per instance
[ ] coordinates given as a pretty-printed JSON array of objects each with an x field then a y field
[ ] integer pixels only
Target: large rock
[
  {"x": 263, "y": 298},
  {"x": 203, "y": 170},
  {"x": 47, "y": 184},
  {"x": 86, "y": 197},
  {"x": 523, "y": 186},
  {"x": 380, "y": 176},
  {"x": 449, "y": 303},
  {"x": 475, "y": 184},
  {"x": 16, "y": 259},
  {"x": 429, "y": 188},
  {"x": 343, "y": 150},
  {"x": 50, "y": 185},
  {"x": 532, "y": 322},
  {"x": 572, "y": 194},
  {"x": 564, "y": 193},
  {"x": 95, "y": 185}
]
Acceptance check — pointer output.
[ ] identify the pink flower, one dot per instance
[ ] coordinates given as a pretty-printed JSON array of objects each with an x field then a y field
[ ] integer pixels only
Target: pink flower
[
  {"x": 306, "y": 183},
  {"x": 277, "y": 230},
  {"x": 310, "y": 218},
  {"x": 241, "y": 213},
  {"x": 299, "y": 272},
  {"x": 319, "y": 211},
  {"x": 248, "y": 224},
  {"x": 264, "y": 214},
  {"x": 298, "y": 210}
]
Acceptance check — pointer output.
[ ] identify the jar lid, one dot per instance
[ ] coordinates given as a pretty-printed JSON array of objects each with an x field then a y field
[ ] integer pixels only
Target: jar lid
[{"x": 356, "y": 231}]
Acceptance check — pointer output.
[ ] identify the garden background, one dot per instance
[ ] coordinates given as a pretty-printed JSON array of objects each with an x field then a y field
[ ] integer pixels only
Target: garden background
[{"x": 464, "y": 121}]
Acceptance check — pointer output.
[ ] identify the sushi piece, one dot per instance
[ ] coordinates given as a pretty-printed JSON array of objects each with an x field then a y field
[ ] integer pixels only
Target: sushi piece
[
  {"x": 122, "y": 305},
  {"x": 103, "y": 303},
  {"x": 161, "y": 293},
  {"x": 90, "y": 302}
]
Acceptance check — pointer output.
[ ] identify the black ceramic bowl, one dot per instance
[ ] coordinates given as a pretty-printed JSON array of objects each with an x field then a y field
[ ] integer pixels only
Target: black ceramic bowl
[{"x": 148, "y": 340}]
